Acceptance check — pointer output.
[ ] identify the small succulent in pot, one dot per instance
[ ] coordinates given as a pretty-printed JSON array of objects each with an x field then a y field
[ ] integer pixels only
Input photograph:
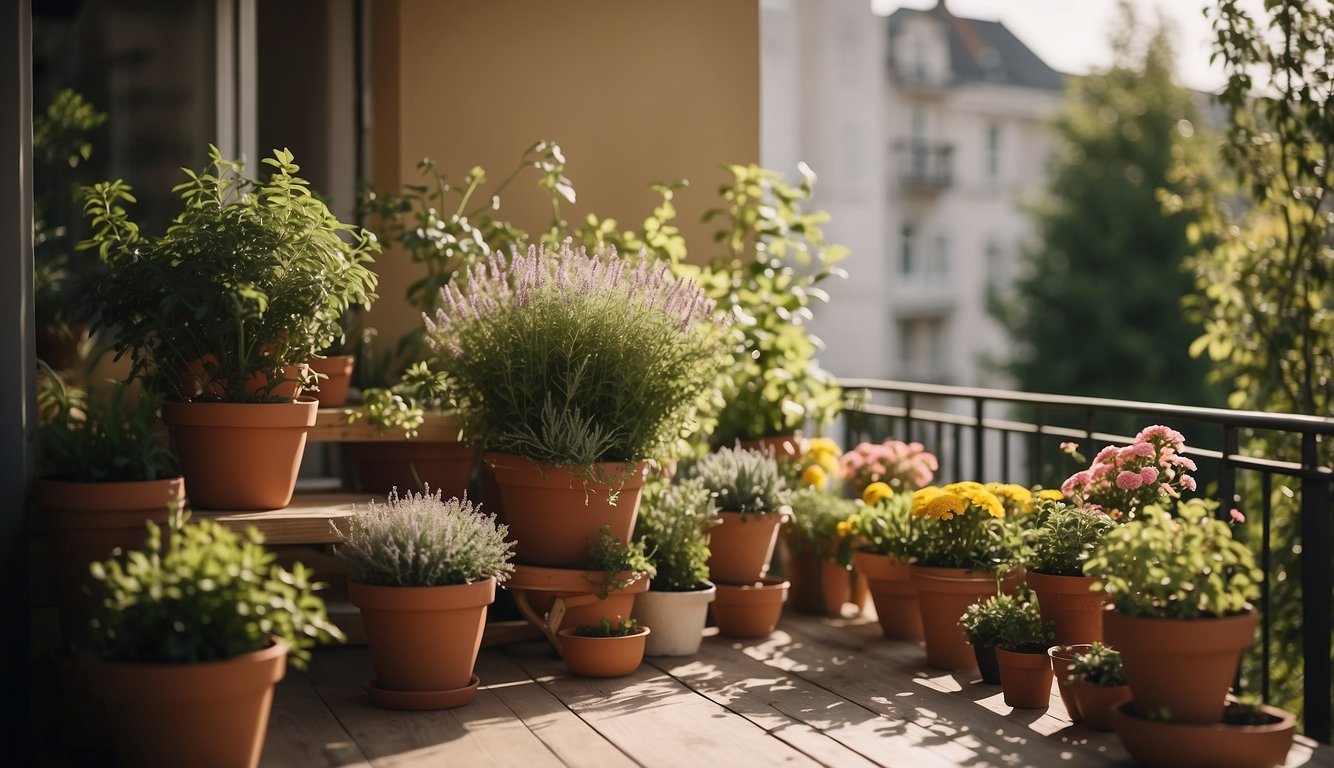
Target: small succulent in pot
[
  {"x": 742, "y": 480},
  {"x": 673, "y": 525},
  {"x": 1099, "y": 665}
]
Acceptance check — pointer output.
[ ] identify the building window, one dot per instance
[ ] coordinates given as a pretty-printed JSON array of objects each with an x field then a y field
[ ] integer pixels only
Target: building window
[
  {"x": 907, "y": 251},
  {"x": 922, "y": 351},
  {"x": 993, "y": 152},
  {"x": 940, "y": 262}
]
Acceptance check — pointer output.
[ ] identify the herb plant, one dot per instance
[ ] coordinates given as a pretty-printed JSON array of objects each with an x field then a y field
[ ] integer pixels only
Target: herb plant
[
  {"x": 1099, "y": 665},
  {"x": 404, "y": 405},
  {"x": 1064, "y": 536},
  {"x": 1008, "y": 621},
  {"x": 673, "y": 524},
  {"x": 206, "y": 595},
  {"x": 621, "y": 564},
  {"x": 743, "y": 480},
  {"x": 422, "y": 540},
  {"x": 605, "y": 628}
]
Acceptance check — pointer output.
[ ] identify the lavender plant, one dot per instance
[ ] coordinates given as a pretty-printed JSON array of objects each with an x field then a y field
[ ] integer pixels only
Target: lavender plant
[
  {"x": 422, "y": 540},
  {"x": 572, "y": 358},
  {"x": 745, "y": 481}
]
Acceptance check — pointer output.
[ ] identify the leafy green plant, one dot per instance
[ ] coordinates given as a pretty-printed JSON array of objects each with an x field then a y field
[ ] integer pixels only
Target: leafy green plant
[
  {"x": 252, "y": 276},
  {"x": 404, "y": 405},
  {"x": 1064, "y": 536},
  {"x": 743, "y": 480},
  {"x": 107, "y": 436},
  {"x": 621, "y": 564},
  {"x": 422, "y": 540},
  {"x": 208, "y": 594},
  {"x": 885, "y": 524},
  {"x": 1185, "y": 566},
  {"x": 565, "y": 357},
  {"x": 673, "y": 524},
  {"x": 822, "y": 525},
  {"x": 606, "y": 629},
  {"x": 1099, "y": 665},
  {"x": 1008, "y": 621}
]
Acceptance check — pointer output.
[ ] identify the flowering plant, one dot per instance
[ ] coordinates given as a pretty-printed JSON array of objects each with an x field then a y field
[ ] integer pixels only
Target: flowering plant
[
  {"x": 904, "y": 466},
  {"x": 573, "y": 359},
  {"x": 1186, "y": 566},
  {"x": 963, "y": 525},
  {"x": 1123, "y": 480},
  {"x": 885, "y": 525},
  {"x": 819, "y": 463}
]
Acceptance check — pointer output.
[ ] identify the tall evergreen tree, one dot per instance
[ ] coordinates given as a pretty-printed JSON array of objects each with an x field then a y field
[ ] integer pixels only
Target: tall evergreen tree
[{"x": 1097, "y": 310}]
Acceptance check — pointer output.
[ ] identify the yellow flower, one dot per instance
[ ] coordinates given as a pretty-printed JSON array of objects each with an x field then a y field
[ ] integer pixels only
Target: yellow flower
[
  {"x": 814, "y": 476},
  {"x": 828, "y": 462},
  {"x": 976, "y": 494},
  {"x": 1021, "y": 497},
  {"x": 945, "y": 506},
  {"x": 923, "y": 496},
  {"x": 818, "y": 446},
  {"x": 875, "y": 493},
  {"x": 1051, "y": 494},
  {"x": 846, "y": 527}
]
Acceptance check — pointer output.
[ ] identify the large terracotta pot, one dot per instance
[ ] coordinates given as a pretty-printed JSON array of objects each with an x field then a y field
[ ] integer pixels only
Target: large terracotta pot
[
  {"x": 1025, "y": 678},
  {"x": 410, "y": 465},
  {"x": 676, "y": 618},
  {"x": 820, "y": 585},
  {"x": 338, "y": 370},
  {"x": 742, "y": 546},
  {"x": 240, "y": 456},
  {"x": 1158, "y": 744},
  {"x": 210, "y": 714},
  {"x": 603, "y": 656},
  {"x": 423, "y": 640},
  {"x": 1096, "y": 702},
  {"x": 1184, "y": 666},
  {"x": 943, "y": 594},
  {"x": 892, "y": 591},
  {"x": 536, "y": 590},
  {"x": 89, "y": 520},
  {"x": 1062, "y": 660},
  {"x": 554, "y": 515},
  {"x": 749, "y": 610},
  {"x": 1070, "y": 604}
]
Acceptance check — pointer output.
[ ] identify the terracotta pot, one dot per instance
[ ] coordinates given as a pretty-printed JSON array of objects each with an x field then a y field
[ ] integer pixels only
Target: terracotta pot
[
  {"x": 88, "y": 521},
  {"x": 778, "y": 446},
  {"x": 742, "y": 546},
  {"x": 676, "y": 618},
  {"x": 943, "y": 594},
  {"x": 58, "y": 343},
  {"x": 209, "y": 714},
  {"x": 1158, "y": 744},
  {"x": 338, "y": 369},
  {"x": 537, "y": 588},
  {"x": 240, "y": 456},
  {"x": 382, "y": 466},
  {"x": 554, "y": 514},
  {"x": 1185, "y": 666},
  {"x": 603, "y": 656},
  {"x": 893, "y": 593},
  {"x": 985, "y": 656},
  {"x": 749, "y": 610},
  {"x": 1062, "y": 660},
  {"x": 424, "y": 639},
  {"x": 820, "y": 585},
  {"x": 1067, "y": 602},
  {"x": 195, "y": 381},
  {"x": 1096, "y": 702},
  {"x": 1025, "y": 678}
]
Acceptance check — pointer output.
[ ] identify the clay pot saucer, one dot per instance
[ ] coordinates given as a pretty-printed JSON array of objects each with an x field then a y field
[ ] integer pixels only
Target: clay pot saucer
[{"x": 420, "y": 700}]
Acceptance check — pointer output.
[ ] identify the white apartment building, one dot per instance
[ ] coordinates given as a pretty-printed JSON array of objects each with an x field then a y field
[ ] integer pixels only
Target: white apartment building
[{"x": 929, "y": 135}]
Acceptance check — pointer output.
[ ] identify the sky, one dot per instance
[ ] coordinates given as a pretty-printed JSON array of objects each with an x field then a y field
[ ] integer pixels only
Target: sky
[{"x": 1072, "y": 35}]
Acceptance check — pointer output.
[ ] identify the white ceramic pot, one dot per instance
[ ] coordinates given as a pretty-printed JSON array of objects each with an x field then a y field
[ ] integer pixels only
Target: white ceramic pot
[{"x": 676, "y": 618}]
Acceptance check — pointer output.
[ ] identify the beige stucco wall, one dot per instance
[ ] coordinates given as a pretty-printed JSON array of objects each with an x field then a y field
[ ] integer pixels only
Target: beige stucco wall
[{"x": 634, "y": 91}]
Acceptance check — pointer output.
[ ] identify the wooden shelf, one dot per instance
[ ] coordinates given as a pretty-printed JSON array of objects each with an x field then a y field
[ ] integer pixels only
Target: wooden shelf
[
  {"x": 341, "y": 425},
  {"x": 307, "y": 520}
]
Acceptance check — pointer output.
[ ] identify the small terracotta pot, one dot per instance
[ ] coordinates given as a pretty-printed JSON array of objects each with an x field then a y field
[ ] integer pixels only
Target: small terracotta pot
[
  {"x": 537, "y": 588},
  {"x": 240, "y": 456},
  {"x": 380, "y": 467},
  {"x": 741, "y": 547},
  {"x": 210, "y": 714},
  {"x": 1096, "y": 702},
  {"x": 424, "y": 639},
  {"x": 750, "y": 610},
  {"x": 554, "y": 514},
  {"x": 1062, "y": 659},
  {"x": 985, "y": 656},
  {"x": 338, "y": 370},
  {"x": 1185, "y": 666},
  {"x": 1068, "y": 602},
  {"x": 603, "y": 656},
  {"x": 676, "y": 618},
  {"x": 892, "y": 591},
  {"x": 943, "y": 594},
  {"x": 1025, "y": 678},
  {"x": 1159, "y": 744}
]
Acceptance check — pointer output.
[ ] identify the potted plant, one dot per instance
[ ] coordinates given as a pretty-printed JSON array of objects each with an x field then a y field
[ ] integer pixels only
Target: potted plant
[
  {"x": 575, "y": 369},
  {"x": 189, "y": 639},
  {"x": 752, "y": 497},
  {"x": 816, "y": 551},
  {"x": 604, "y": 649},
  {"x": 984, "y": 624},
  {"x": 962, "y": 554},
  {"x": 1098, "y": 681},
  {"x": 1180, "y": 587},
  {"x": 1021, "y": 640},
  {"x": 885, "y": 531},
  {"x": 423, "y": 571},
  {"x": 250, "y": 280},
  {"x": 673, "y": 528},
  {"x": 1058, "y": 546},
  {"x": 1124, "y": 479},
  {"x": 1248, "y": 735},
  {"x": 1062, "y": 661},
  {"x": 904, "y": 467}
]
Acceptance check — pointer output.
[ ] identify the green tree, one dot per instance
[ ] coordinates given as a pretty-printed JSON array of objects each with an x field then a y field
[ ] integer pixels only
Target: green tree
[{"x": 1097, "y": 310}]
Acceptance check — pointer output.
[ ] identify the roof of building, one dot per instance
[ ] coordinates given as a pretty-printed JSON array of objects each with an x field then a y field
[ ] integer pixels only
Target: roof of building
[{"x": 985, "y": 51}]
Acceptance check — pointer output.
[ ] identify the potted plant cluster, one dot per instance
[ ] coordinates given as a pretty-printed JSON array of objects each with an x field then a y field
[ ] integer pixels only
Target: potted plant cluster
[
  {"x": 984, "y": 623},
  {"x": 1098, "y": 683},
  {"x": 885, "y": 531},
  {"x": 221, "y": 311},
  {"x": 604, "y": 649},
  {"x": 423, "y": 570},
  {"x": 189, "y": 639},
  {"x": 1059, "y": 543},
  {"x": 673, "y": 527}
]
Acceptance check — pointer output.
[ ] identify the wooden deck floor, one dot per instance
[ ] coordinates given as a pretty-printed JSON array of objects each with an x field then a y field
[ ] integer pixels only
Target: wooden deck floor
[{"x": 817, "y": 692}]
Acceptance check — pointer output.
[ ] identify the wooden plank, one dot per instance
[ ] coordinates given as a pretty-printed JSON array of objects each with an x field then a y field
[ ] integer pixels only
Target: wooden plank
[
  {"x": 340, "y": 425},
  {"x": 655, "y": 719},
  {"x": 303, "y": 732},
  {"x": 307, "y": 520}
]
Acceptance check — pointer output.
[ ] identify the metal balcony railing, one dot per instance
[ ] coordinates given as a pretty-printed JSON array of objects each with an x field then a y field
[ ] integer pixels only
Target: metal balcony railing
[
  {"x": 925, "y": 166},
  {"x": 985, "y": 434}
]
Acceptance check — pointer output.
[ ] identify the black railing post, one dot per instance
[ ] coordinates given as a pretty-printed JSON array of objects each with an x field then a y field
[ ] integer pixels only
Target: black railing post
[
  {"x": 979, "y": 440},
  {"x": 1315, "y": 591},
  {"x": 907, "y": 417}
]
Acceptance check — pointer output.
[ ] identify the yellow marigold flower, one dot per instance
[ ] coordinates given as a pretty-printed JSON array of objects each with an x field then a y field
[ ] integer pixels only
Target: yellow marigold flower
[
  {"x": 828, "y": 462},
  {"x": 814, "y": 476},
  {"x": 1051, "y": 494},
  {"x": 964, "y": 485},
  {"x": 1020, "y": 496},
  {"x": 844, "y": 528},
  {"x": 923, "y": 496},
  {"x": 817, "y": 446},
  {"x": 980, "y": 497},
  {"x": 945, "y": 506},
  {"x": 875, "y": 493}
]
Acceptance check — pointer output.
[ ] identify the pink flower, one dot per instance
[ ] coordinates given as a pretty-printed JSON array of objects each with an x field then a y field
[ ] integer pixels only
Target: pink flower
[
  {"x": 1188, "y": 482},
  {"x": 1149, "y": 475},
  {"x": 1128, "y": 480},
  {"x": 1106, "y": 454},
  {"x": 1142, "y": 449},
  {"x": 1068, "y": 447},
  {"x": 1237, "y": 516}
]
